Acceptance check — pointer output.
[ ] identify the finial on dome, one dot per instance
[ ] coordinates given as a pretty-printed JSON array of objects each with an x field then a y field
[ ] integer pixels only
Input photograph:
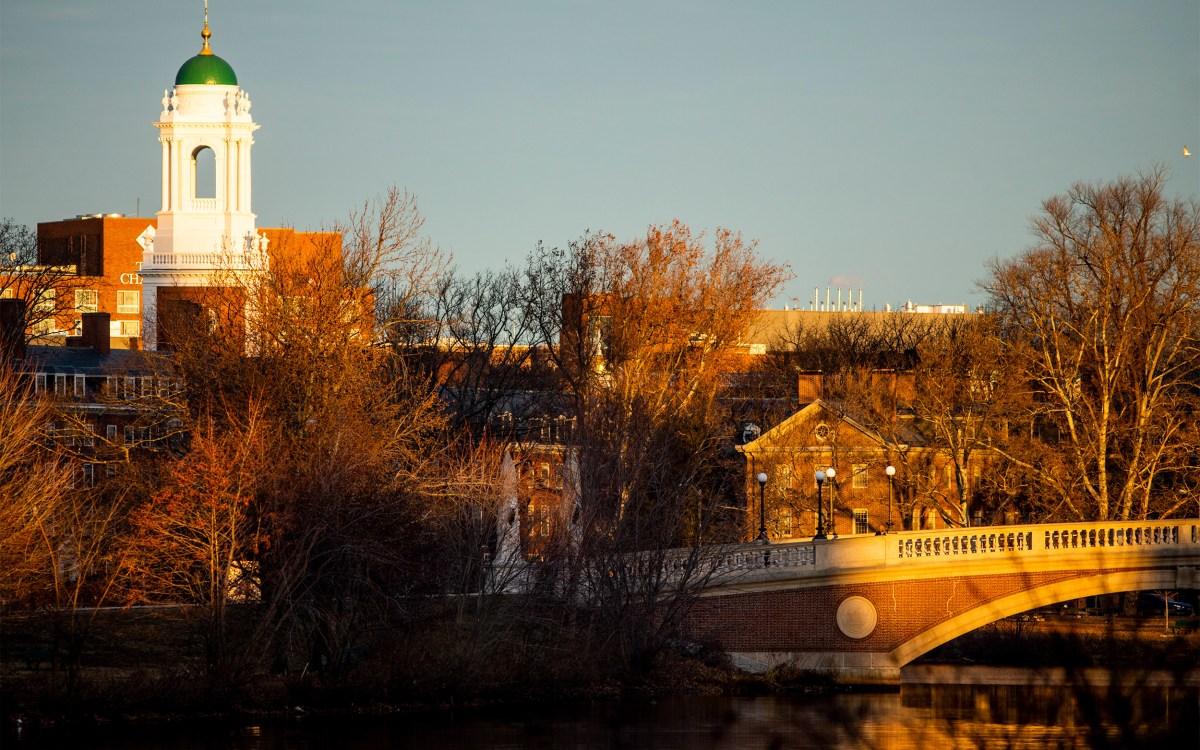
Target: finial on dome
[{"x": 206, "y": 33}]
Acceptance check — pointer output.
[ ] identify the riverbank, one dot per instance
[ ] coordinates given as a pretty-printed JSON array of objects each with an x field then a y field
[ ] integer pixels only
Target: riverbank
[{"x": 142, "y": 665}]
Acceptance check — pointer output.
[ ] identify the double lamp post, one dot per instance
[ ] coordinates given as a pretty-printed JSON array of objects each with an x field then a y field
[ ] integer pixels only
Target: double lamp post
[{"x": 821, "y": 476}]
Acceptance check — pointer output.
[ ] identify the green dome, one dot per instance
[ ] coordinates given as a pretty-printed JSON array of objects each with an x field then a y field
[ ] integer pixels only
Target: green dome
[{"x": 206, "y": 69}]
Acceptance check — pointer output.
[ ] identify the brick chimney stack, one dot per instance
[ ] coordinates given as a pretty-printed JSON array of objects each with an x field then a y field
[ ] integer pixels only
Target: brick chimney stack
[
  {"x": 810, "y": 385},
  {"x": 95, "y": 332},
  {"x": 12, "y": 328}
]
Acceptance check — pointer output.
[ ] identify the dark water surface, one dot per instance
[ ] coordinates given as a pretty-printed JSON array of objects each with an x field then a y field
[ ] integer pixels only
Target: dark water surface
[{"x": 1000, "y": 709}]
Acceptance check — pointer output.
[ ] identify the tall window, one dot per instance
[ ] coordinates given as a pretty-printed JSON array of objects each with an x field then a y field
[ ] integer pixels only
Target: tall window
[
  {"x": 204, "y": 172},
  {"x": 931, "y": 517},
  {"x": 80, "y": 386},
  {"x": 128, "y": 302},
  {"x": 45, "y": 301},
  {"x": 783, "y": 521},
  {"x": 858, "y": 473},
  {"x": 860, "y": 521},
  {"x": 782, "y": 481},
  {"x": 60, "y": 385},
  {"x": 87, "y": 300}
]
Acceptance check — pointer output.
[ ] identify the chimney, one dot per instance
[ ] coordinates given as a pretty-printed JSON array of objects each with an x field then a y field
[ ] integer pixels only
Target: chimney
[
  {"x": 12, "y": 328},
  {"x": 884, "y": 382},
  {"x": 906, "y": 387},
  {"x": 96, "y": 333},
  {"x": 809, "y": 386}
]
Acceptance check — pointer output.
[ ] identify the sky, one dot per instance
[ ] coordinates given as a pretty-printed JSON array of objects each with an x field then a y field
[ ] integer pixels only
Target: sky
[{"x": 893, "y": 147}]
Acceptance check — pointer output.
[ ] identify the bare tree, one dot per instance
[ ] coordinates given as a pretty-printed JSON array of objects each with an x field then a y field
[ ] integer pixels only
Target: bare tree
[
  {"x": 34, "y": 475},
  {"x": 385, "y": 255},
  {"x": 1101, "y": 313},
  {"x": 964, "y": 395},
  {"x": 47, "y": 288}
]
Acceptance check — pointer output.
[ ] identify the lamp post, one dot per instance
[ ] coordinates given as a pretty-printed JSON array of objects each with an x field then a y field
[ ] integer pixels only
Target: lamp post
[
  {"x": 820, "y": 507},
  {"x": 762, "y": 507},
  {"x": 831, "y": 475},
  {"x": 891, "y": 472}
]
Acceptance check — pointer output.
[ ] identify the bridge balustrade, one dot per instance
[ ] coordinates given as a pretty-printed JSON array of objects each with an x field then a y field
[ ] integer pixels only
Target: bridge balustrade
[{"x": 948, "y": 544}]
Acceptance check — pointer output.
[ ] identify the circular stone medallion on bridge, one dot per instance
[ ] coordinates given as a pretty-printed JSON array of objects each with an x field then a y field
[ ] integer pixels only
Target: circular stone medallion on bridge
[{"x": 856, "y": 617}]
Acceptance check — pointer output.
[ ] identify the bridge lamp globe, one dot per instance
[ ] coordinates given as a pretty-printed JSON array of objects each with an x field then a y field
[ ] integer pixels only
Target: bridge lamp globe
[{"x": 762, "y": 506}]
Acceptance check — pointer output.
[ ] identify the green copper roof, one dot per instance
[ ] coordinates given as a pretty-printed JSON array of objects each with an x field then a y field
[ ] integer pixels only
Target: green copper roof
[{"x": 206, "y": 69}]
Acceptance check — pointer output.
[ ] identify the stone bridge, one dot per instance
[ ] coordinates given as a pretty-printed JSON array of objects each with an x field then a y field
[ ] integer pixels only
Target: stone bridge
[{"x": 859, "y": 608}]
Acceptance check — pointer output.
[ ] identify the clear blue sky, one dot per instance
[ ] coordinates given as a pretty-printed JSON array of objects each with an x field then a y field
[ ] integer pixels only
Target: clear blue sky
[{"x": 893, "y": 146}]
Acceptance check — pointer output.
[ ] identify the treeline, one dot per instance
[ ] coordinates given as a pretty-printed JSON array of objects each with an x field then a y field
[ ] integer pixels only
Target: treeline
[{"x": 343, "y": 477}]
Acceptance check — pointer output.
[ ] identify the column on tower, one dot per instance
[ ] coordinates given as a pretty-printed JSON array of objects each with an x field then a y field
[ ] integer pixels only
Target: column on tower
[{"x": 166, "y": 171}]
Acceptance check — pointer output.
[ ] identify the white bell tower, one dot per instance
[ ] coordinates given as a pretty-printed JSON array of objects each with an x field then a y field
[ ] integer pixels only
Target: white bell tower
[{"x": 205, "y": 228}]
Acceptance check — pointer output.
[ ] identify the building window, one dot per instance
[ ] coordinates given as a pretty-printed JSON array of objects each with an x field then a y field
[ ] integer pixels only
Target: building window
[
  {"x": 783, "y": 522},
  {"x": 39, "y": 383},
  {"x": 44, "y": 327},
  {"x": 931, "y": 517},
  {"x": 128, "y": 434},
  {"x": 87, "y": 475},
  {"x": 45, "y": 301},
  {"x": 781, "y": 482},
  {"x": 111, "y": 433},
  {"x": 89, "y": 437},
  {"x": 60, "y": 385},
  {"x": 858, "y": 476},
  {"x": 80, "y": 386},
  {"x": 87, "y": 301},
  {"x": 128, "y": 302},
  {"x": 131, "y": 328},
  {"x": 822, "y": 432},
  {"x": 130, "y": 387},
  {"x": 860, "y": 521}
]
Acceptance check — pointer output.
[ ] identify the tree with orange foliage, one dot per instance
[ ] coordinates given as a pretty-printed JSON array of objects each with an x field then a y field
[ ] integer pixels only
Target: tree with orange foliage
[
  {"x": 348, "y": 436},
  {"x": 644, "y": 333},
  {"x": 198, "y": 534},
  {"x": 33, "y": 478}
]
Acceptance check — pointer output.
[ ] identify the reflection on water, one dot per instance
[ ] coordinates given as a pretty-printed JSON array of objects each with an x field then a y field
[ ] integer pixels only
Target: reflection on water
[{"x": 1000, "y": 710}]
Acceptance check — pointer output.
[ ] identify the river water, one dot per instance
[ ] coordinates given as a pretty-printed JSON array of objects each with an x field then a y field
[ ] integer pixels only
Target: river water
[{"x": 936, "y": 708}]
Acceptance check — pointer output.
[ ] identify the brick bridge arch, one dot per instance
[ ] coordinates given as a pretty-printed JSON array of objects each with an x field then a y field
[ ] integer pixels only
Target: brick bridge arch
[{"x": 860, "y": 608}]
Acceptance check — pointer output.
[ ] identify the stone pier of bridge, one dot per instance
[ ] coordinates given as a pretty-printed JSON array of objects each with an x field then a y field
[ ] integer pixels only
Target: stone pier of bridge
[{"x": 857, "y": 609}]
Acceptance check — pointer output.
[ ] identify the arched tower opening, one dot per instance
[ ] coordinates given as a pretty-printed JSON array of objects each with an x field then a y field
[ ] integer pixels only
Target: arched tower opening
[{"x": 204, "y": 175}]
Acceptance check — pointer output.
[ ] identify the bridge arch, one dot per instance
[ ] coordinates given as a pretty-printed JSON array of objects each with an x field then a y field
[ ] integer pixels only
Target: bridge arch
[{"x": 1041, "y": 596}]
